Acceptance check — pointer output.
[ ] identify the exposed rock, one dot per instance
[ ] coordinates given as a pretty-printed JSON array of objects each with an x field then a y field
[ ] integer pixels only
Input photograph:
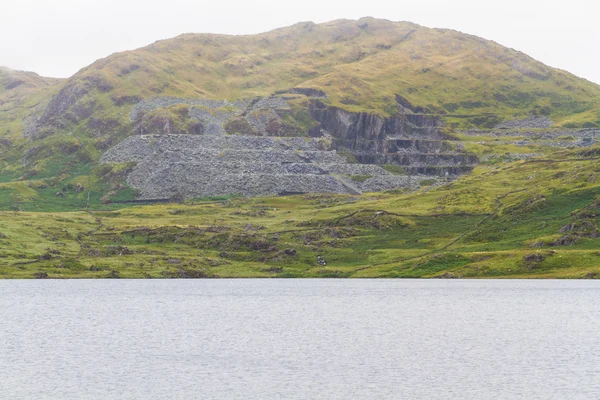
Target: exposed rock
[
  {"x": 273, "y": 270},
  {"x": 309, "y": 92},
  {"x": 568, "y": 240},
  {"x": 348, "y": 126},
  {"x": 12, "y": 84},
  {"x": 411, "y": 140},
  {"x": 290, "y": 252},
  {"x": 253, "y": 161},
  {"x": 60, "y": 108},
  {"x": 259, "y": 117},
  {"x": 163, "y": 102},
  {"x": 532, "y": 261}
]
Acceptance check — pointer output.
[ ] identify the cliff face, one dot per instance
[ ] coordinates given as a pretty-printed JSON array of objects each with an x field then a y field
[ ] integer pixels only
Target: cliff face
[
  {"x": 413, "y": 141},
  {"x": 361, "y": 126}
]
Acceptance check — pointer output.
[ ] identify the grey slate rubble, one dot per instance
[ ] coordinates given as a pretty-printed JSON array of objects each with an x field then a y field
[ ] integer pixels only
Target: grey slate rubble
[
  {"x": 532, "y": 122},
  {"x": 538, "y": 134},
  {"x": 199, "y": 166}
]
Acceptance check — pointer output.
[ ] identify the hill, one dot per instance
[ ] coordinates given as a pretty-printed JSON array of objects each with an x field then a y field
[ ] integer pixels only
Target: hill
[
  {"x": 365, "y": 65},
  {"x": 395, "y": 151},
  {"x": 362, "y": 82}
]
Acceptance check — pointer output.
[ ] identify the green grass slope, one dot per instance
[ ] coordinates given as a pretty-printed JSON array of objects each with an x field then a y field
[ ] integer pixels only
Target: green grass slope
[
  {"x": 524, "y": 219},
  {"x": 21, "y": 93}
]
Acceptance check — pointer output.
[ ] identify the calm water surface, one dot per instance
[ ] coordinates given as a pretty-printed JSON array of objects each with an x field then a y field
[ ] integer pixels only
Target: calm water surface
[{"x": 300, "y": 339}]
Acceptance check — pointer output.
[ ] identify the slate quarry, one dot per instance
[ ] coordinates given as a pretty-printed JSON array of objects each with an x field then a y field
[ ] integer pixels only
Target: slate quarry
[{"x": 346, "y": 152}]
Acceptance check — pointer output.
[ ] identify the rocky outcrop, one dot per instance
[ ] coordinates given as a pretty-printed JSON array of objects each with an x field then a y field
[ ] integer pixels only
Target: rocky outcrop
[
  {"x": 64, "y": 108},
  {"x": 309, "y": 92},
  {"x": 344, "y": 125},
  {"x": 147, "y": 105}
]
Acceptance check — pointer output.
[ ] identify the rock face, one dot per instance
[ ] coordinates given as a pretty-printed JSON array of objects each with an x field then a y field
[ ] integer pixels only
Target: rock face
[
  {"x": 411, "y": 140},
  {"x": 309, "y": 92},
  {"x": 197, "y": 166},
  {"x": 161, "y": 102},
  {"x": 63, "y": 108}
]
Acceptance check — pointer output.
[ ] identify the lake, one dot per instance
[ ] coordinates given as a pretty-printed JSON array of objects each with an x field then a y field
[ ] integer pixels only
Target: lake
[{"x": 300, "y": 339}]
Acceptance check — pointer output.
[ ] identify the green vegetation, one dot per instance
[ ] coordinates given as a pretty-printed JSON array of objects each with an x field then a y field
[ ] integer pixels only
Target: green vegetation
[
  {"x": 526, "y": 211},
  {"x": 361, "y": 65},
  {"x": 394, "y": 169},
  {"x": 360, "y": 178},
  {"x": 526, "y": 219}
]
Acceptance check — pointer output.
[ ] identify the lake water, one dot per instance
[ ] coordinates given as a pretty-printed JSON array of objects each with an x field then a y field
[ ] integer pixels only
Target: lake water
[{"x": 300, "y": 339}]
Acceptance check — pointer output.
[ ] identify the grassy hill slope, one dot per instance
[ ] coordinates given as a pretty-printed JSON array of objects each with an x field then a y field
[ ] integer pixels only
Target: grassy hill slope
[
  {"x": 526, "y": 219},
  {"x": 361, "y": 65}
]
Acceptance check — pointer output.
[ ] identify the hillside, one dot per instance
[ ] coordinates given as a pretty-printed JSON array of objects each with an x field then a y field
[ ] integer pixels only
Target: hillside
[
  {"x": 20, "y": 92},
  {"x": 360, "y": 65},
  {"x": 392, "y": 94},
  {"x": 386, "y": 148},
  {"x": 525, "y": 219}
]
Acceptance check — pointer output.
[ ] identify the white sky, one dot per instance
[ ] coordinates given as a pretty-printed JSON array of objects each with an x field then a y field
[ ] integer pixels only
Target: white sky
[{"x": 58, "y": 37}]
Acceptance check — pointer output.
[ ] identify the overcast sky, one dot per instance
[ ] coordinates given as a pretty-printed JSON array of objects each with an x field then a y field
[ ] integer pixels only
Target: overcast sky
[{"x": 56, "y": 38}]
